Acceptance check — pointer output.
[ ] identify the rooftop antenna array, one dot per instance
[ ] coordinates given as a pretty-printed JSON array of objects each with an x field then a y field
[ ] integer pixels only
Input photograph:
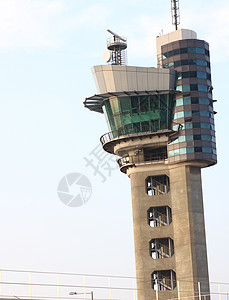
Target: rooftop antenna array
[
  {"x": 116, "y": 50},
  {"x": 175, "y": 13}
]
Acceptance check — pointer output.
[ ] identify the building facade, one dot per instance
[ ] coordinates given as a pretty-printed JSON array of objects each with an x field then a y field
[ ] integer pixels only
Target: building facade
[{"x": 161, "y": 126}]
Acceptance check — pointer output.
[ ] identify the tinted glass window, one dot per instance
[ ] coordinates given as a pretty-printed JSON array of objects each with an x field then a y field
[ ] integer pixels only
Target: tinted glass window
[
  {"x": 192, "y": 74},
  {"x": 124, "y": 103},
  {"x": 188, "y": 113},
  {"x": 198, "y": 149},
  {"x": 202, "y": 88},
  {"x": 196, "y": 125},
  {"x": 136, "y": 127},
  {"x": 197, "y": 137},
  {"x": 186, "y": 88},
  {"x": 134, "y": 104},
  {"x": 195, "y": 113},
  {"x": 204, "y": 101},
  {"x": 201, "y": 62},
  {"x": 176, "y": 52},
  {"x": 191, "y": 50},
  {"x": 177, "y": 63},
  {"x": 145, "y": 126},
  {"x": 190, "y": 150},
  {"x": 183, "y": 50},
  {"x": 179, "y": 76},
  {"x": 154, "y": 102},
  {"x": 188, "y": 125},
  {"x": 189, "y": 138},
  {"x": 187, "y": 101},
  {"x": 206, "y": 137},
  {"x": 201, "y": 74},
  {"x": 128, "y": 128},
  {"x": 207, "y": 149},
  {"x": 204, "y": 113},
  {"x": 200, "y": 50},
  {"x": 205, "y": 125},
  {"x": 193, "y": 87},
  {"x": 144, "y": 104},
  {"x": 195, "y": 100}
]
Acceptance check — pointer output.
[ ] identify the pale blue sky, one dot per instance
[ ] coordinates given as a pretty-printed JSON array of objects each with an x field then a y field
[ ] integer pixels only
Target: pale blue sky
[{"x": 47, "y": 48}]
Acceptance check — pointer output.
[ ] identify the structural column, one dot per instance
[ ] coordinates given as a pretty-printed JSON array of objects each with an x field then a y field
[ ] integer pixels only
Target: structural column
[
  {"x": 189, "y": 229},
  {"x": 142, "y": 203}
]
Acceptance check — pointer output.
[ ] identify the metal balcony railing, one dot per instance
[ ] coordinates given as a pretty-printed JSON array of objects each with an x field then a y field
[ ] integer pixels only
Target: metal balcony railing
[{"x": 109, "y": 136}]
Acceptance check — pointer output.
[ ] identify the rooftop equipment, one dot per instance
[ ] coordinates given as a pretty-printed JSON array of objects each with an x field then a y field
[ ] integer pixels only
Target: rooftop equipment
[
  {"x": 175, "y": 13},
  {"x": 116, "y": 50}
]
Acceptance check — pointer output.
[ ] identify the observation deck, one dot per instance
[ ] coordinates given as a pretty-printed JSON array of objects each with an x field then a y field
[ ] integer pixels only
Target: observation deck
[
  {"x": 132, "y": 161},
  {"x": 110, "y": 139}
]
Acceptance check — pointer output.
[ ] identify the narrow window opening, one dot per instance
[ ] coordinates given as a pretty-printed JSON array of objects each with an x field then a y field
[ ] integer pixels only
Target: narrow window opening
[
  {"x": 159, "y": 216},
  {"x": 157, "y": 185},
  {"x": 161, "y": 248},
  {"x": 163, "y": 280}
]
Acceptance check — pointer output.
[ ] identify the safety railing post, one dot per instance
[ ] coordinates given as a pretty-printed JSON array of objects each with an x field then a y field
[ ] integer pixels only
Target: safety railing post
[
  {"x": 199, "y": 290},
  {"x": 157, "y": 287}
]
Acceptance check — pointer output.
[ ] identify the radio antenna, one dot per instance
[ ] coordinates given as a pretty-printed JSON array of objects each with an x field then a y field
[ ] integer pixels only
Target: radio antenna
[
  {"x": 116, "y": 49},
  {"x": 175, "y": 13}
]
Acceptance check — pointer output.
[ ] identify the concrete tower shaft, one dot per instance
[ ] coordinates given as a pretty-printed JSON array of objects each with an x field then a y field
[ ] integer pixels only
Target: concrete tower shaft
[{"x": 163, "y": 135}]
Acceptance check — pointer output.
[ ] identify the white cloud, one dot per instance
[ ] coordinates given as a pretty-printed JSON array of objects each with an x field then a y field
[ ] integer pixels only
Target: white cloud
[
  {"x": 218, "y": 33},
  {"x": 49, "y": 23},
  {"x": 142, "y": 36},
  {"x": 43, "y": 23},
  {"x": 212, "y": 25},
  {"x": 26, "y": 23},
  {"x": 92, "y": 16}
]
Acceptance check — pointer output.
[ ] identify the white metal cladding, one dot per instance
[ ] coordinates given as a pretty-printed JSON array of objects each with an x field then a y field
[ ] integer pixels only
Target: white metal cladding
[{"x": 112, "y": 78}]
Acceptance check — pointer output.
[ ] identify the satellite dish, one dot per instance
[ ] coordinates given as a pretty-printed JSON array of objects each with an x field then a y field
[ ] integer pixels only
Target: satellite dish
[{"x": 106, "y": 56}]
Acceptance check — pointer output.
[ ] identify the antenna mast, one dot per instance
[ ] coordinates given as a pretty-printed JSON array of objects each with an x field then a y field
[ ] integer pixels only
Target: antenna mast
[
  {"x": 117, "y": 46},
  {"x": 175, "y": 13}
]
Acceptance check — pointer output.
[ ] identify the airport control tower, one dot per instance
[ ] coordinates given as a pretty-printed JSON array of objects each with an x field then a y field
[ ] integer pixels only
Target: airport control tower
[{"x": 161, "y": 126}]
